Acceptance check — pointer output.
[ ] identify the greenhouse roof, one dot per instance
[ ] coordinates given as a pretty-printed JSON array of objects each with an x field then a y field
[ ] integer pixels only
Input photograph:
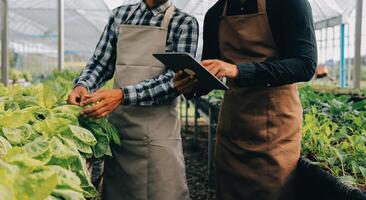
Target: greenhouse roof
[
  {"x": 33, "y": 23},
  {"x": 329, "y": 12}
]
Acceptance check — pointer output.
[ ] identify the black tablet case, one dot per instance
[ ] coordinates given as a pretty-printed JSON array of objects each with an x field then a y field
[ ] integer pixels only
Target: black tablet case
[{"x": 182, "y": 61}]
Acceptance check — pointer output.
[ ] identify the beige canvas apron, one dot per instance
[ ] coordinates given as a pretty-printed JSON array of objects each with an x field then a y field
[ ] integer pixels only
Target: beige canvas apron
[
  {"x": 259, "y": 129},
  {"x": 149, "y": 164}
]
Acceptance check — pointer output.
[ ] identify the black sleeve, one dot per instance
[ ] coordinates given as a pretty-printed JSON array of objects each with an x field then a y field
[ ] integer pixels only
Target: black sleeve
[
  {"x": 298, "y": 48},
  {"x": 211, "y": 48}
]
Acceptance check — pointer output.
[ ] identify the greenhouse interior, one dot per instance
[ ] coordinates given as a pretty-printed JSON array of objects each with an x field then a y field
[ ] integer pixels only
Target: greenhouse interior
[{"x": 223, "y": 123}]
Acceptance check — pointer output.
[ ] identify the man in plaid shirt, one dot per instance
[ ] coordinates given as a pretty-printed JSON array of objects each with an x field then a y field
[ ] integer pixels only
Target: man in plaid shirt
[
  {"x": 141, "y": 105},
  {"x": 182, "y": 37}
]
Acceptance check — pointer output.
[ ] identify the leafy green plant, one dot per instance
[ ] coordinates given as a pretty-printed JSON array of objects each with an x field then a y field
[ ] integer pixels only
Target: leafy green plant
[{"x": 44, "y": 143}]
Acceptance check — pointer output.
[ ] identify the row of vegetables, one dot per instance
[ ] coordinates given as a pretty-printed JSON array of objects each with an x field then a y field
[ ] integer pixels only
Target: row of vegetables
[
  {"x": 334, "y": 133},
  {"x": 44, "y": 143}
]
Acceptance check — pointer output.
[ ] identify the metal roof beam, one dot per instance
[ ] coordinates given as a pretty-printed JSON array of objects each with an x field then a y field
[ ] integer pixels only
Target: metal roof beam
[{"x": 331, "y": 22}]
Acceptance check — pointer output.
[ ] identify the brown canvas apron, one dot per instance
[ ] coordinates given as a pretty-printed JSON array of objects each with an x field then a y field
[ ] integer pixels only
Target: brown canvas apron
[
  {"x": 259, "y": 128},
  {"x": 149, "y": 164}
]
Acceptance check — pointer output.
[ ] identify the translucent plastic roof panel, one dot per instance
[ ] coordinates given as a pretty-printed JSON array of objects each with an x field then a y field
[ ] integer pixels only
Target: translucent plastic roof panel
[
  {"x": 327, "y": 9},
  {"x": 35, "y": 21},
  {"x": 322, "y": 9}
]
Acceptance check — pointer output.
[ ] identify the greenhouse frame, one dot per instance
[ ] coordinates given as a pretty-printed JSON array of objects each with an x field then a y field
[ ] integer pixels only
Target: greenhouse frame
[
  {"x": 30, "y": 32},
  {"x": 51, "y": 41}
]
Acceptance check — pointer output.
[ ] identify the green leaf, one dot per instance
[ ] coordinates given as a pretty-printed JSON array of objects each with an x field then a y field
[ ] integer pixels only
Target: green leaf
[
  {"x": 2, "y": 105},
  {"x": 6, "y": 193},
  {"x": 51, "y": 126},
  {"x": 348, "y": 180},
  {"x": 14, "y": 136},
  {"x": 83, "y": 173},
  {"x": 15, "y": 119},
  {"x": 53, "y": 198},
  {"x": 102, "y": 146},
  {"x": 37, "y": 186},
  {"x": 67, "y": 179},
  {"x": 4, "y": 147},
  {"x": 83, "y": 135},
  {"x": 39, "y": 149},
  {"x": 363, "y": 172},
  {"x": 62, "y": 154},
  {"x": 19, "y": 157},
  {"x": 66, "y": 194}
]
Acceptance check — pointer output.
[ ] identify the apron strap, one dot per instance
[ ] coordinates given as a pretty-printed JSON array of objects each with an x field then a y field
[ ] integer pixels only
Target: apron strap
[
  {"x": 168, "y": 17},
  {"x": 262, "y": 7}
]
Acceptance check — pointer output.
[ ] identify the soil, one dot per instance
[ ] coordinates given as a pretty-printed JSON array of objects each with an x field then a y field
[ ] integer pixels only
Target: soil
[{"x": 201, "y": 186}]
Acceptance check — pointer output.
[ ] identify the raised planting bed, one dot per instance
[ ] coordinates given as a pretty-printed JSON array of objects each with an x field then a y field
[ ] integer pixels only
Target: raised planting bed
[
  {"x": 312, "y": 182},
  {"x": 334, "y": 132}
]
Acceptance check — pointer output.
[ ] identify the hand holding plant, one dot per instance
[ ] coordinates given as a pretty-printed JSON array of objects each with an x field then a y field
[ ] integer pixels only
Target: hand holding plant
[
  {"x": 77, "y": 95},
  {"x": 103, "y": 103}
]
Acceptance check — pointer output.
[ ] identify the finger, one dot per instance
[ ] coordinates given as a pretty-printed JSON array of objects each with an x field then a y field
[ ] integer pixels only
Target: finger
[
  {"x": 189, "y": 86},
  {"x": 99, "y": 113},
  {"x": 221, "y": 75},
  {"x": 88, "y": 96},
  {"x": 215, "y": 71},
  {"x": 97, "y": 107},
  {"x": 99, "y": 91},
  {"x": 181, "y": 76},
  {"x": 182, "y": 82},
  {"x": 207, "y": 62},
  {"x": 211, "y": 66},
  {"x": 82, "y": 97},
  {"x": 188, "y": 90},
  {"x": 72, "y": 99},
  {"x": 91, "y": 100},
  {"x": 178, "y": 75}
]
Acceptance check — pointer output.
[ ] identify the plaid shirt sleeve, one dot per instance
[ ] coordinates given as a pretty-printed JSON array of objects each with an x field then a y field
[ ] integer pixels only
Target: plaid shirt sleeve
[
  {"x": 101, "y": 66},
  {"x": 162, "y": 89}
]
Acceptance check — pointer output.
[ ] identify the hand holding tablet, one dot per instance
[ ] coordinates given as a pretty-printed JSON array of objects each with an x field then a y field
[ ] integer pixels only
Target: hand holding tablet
[{"x": 186, "y": 63}]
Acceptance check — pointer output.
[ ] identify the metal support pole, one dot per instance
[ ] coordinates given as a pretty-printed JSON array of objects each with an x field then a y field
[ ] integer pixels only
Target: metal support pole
[
  {"x": 195, "y": 134},
  {"x": 333, "y": 72},
  {"x": 187, "y": 107},
  {"x": 326, "y": 45},
  {"x": 342, "y": 78},
  {"x": 349, "y": 71},
  {"x": 320, "y": 42},
  {"x": 211, "y": 132},
  {"x": 61, "y": 34},
  {"x": 358, "y": 40},
  {"x": 181, "y": 111},
  {"x": 4, "y": 42}
]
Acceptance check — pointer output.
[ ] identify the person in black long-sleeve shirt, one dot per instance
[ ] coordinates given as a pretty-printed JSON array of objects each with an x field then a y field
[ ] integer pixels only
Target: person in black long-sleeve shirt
[
  {"x": 292, "y": 29},
  {"x": 262, "y": 47}
]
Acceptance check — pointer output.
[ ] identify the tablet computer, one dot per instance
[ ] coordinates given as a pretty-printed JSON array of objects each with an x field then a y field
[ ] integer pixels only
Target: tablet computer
[{"x": 186, "y": 63}]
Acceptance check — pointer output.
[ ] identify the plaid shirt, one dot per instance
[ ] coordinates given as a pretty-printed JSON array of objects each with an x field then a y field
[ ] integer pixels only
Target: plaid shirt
[{"x": 182, "y": 37}]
